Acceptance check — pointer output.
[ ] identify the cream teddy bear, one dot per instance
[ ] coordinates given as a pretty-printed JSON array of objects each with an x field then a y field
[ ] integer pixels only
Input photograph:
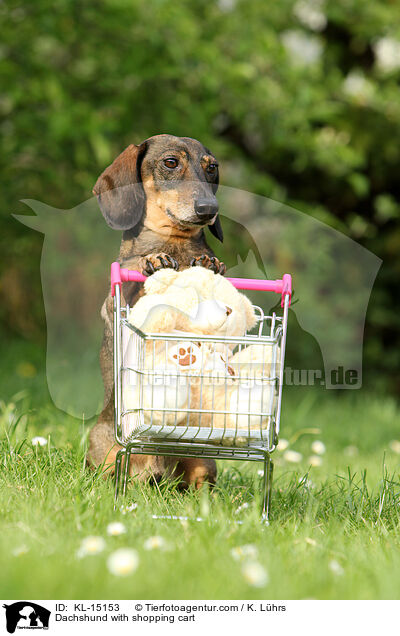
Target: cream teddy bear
[
  {"x": 244, "y": 405},
  {"x": 192, "y": 302}
]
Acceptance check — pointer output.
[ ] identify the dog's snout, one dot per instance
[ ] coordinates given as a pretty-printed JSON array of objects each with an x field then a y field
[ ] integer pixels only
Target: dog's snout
[{"x": 206, "y": 208}]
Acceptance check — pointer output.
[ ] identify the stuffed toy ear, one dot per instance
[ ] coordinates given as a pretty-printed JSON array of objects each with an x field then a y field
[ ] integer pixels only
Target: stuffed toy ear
[
  {"x": 159, "y": 282},
  {"x": 251, "y": 318},
  {"x": 119, "y": 189},
  {"x": 153, "y": 314}
]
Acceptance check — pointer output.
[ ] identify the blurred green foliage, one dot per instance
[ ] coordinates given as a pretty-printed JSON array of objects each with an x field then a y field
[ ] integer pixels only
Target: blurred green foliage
[{"x": 298, "y": 100}]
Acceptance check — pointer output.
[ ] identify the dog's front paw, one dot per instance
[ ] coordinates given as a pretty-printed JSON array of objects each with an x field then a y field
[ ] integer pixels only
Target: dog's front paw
[
  {"x": 209, "y": 262},
  {"x": 153, "y": 262}
]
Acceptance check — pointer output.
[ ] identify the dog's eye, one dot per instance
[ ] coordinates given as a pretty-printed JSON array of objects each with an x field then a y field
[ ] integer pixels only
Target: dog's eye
[
  {"x": 171, "y": 162},
  {"x": 212, "y": 168}
]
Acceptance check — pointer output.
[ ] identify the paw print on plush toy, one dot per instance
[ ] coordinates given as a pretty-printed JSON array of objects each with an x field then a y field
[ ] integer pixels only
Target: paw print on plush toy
[{"x": 187, "y": 356}]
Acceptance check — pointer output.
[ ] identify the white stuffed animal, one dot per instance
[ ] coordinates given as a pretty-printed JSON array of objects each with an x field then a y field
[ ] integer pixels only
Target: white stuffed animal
[
  {"x": 246, "y": 402},
  {"x": 192, "y": 302}
]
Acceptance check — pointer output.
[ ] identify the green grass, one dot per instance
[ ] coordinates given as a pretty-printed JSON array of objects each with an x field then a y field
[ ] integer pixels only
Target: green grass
[{"x": 334, "y": 531}]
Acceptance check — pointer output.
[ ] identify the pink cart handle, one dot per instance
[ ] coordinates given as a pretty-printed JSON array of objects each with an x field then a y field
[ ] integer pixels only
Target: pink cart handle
[{"x": 280, "y": 286}]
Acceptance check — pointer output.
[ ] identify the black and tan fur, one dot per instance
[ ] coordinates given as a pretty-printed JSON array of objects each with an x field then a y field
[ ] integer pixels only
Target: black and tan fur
[{"x": 162, "y": 195}]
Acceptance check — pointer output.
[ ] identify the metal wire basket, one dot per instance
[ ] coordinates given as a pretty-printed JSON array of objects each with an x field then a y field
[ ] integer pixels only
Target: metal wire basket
[{"x": 191, "y": 395}]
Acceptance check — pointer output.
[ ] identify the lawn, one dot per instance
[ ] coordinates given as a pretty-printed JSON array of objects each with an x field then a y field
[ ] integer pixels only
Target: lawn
[{"x": 334, "y": 531}]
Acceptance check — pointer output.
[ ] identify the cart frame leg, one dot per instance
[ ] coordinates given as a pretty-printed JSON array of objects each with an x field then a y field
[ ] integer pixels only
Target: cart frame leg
[
  {"x": 267, "y": 489},
  {"x": 122, "y": 465},
  {"x": 117, "y": 475},
  {"x": 125, "y": 471}
]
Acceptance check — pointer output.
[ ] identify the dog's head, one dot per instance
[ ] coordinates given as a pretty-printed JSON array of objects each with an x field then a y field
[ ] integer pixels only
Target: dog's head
[{"x": 168, "y": 181}]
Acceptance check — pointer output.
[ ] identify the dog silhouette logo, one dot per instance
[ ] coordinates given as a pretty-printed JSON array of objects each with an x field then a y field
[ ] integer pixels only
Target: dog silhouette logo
[{"x": 26, "y": 615}]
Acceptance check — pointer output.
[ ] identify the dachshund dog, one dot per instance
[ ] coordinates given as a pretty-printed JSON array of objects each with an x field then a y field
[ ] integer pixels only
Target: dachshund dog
[{"x": 161, "y": 193}]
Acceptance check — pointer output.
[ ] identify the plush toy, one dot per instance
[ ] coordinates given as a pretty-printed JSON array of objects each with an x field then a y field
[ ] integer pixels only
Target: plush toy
[
  {"x": 194, "y": 300},
  {"x": 245, "y": 403},
  {"x": 174, "y": 374}
]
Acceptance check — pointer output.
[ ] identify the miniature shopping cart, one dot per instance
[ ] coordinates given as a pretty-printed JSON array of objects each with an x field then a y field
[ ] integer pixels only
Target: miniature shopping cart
[{"x": 216, "y": 412}]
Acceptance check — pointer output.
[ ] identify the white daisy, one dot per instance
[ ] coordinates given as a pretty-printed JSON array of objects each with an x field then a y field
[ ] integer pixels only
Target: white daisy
[
  {"x": 292, "y": 456},
  {"x": 315, "y": 460},
  {"x": 394, "y": 446},
  {"x": 128, "y": 508},
  {"x": 307, "y": 483},
  {"x": 115, "y": 529},
  {"x": 20, "y": 550},
  {"x": 91, "y": 545},
  {"x": 310, "y": 541},
  {"x": 335, "y": 567},
  {"x": 123, "y": 562},
  {"x": 282, "y": 444},
  {"x": 155, "y": 543},
  {"x": 240, "y": 509},
  {"x": 318, "y": 447},
  {"x": 255, "y": 574},
  {"x": 351, "y": 451},
  {"x": 242, "y": 552},
  {"x": 39, "y": 441}
]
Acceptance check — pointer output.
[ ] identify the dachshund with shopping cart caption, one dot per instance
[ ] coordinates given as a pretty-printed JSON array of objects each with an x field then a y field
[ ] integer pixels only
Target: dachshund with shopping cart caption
[{"x": 161, "y": 193}]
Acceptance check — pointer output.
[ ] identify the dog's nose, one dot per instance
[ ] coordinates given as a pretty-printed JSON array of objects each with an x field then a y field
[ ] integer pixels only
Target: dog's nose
[{"x": 206, "y": 208}]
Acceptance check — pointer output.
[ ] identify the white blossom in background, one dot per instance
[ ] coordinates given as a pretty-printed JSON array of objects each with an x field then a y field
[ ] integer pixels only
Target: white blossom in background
[
  {"x": 39, "y": 441},
  {"x": 115, "y": 529},
  {"x": 123, "y": 562},
  {"x": 243, "y": 552},
  {"x": 310, "y": 14},
  {"x": 335, "y": 567},
  {"x": 311, "y": 541},
  {"x": 155, "y": 543},
  {"x": 394, "y": 446},
  {"x": 315, "y": 460},
  {"x": 226, "y": 5},
  {"x": 20, "y": 550},
  {"x": 255, "y": 574},
  {"x": 292, "y": 456},
  {"x": 128, "y": 508},
  {"x": 303, "y": 49},
  {"x": 307, "y": 483},
  {"x": 387, "y": 54},
  {"x": 282, "y": 444},
  {"x": 91, "y": 545},
  {"x": 318, "y": 447},
  {"x": 240, "y": 509},
  {"x": 351, "y": 451},
  {"x": 356, "y": 84}
]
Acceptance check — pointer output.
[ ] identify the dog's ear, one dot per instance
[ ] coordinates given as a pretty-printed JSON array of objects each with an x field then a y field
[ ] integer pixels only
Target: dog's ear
[
  {"x": 216, "y": 229},
  {"x": 119, "y": 189}
]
